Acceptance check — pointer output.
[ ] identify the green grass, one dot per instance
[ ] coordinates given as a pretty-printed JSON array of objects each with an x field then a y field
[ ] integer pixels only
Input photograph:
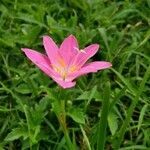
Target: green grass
[{"x": 106, "y": 110}]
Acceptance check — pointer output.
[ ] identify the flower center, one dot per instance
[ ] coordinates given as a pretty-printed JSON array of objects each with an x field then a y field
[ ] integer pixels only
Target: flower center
[{"x": 63, "y": 69}]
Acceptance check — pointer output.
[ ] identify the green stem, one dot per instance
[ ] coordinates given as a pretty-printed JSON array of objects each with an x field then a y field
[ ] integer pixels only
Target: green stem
[
  {"x": 62, "y": 120},
  {"x": 29, "y": 128}
]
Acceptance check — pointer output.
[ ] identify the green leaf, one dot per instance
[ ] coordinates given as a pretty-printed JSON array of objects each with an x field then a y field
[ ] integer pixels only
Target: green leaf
[
  {"x": 77, "y": 115},
  {"x": 15, "y": 134},
  {"x": 101, "y": 132},
  {"x": 112, "y": 122},
  {"x": 23, "y": 89},
  {"x": 104, "y": 36},
  {"x": 142, "y": 113},
  {"x": 88, "y": 95}
]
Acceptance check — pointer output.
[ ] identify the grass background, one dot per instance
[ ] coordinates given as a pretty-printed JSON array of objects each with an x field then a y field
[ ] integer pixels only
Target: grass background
[{"x": 27, "y": 120}]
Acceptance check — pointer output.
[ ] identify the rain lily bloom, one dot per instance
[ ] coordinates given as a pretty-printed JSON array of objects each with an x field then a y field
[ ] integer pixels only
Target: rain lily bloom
[{"x": 65, "y": 63}]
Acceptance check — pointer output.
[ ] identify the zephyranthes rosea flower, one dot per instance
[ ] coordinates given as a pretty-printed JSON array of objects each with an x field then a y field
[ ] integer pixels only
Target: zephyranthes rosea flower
[{"x": 65, "y": 63}]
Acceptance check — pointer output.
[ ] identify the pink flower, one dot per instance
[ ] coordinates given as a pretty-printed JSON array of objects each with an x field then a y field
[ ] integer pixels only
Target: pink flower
[{"x": 65, "y": 63}]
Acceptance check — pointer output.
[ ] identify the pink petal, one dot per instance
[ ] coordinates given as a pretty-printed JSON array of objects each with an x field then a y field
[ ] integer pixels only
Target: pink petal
[
  {"x": 88, "y": 68},
  {"x": 51, "y": 49},
  {"x": 65, "y": 84},
  {"x": 69, "y": 48},
  {"x": 82, "y": 57},
  {"x": 96, "y": 65},
  {"x": 41, "y": 61}
]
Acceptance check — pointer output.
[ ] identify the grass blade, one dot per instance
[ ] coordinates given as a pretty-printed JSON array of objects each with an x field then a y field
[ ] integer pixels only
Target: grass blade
[{"x": 103, "y": 121}]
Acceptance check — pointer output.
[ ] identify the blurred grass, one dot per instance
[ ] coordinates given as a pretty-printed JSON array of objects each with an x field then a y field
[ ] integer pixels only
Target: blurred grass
[{"x": 26, "y": 95}]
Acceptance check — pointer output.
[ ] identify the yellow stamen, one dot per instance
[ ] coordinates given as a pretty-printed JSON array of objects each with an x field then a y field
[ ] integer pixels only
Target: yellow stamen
[
  {"x": 63, "y": 70},
  {"x": 72, "y": 69}
]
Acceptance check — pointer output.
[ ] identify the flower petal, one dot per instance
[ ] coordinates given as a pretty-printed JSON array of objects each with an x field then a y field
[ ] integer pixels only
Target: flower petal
[
  {"x": 65, "y": 84},
  {"x": 51, "y": 49},
  {"x": 41, "y": 61},
  {"x": 88, "y": 68},
  {"x": 69, "y": 48},
  {"x": 95, "y": 66},
  {"x": 82, "y": 57}
]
